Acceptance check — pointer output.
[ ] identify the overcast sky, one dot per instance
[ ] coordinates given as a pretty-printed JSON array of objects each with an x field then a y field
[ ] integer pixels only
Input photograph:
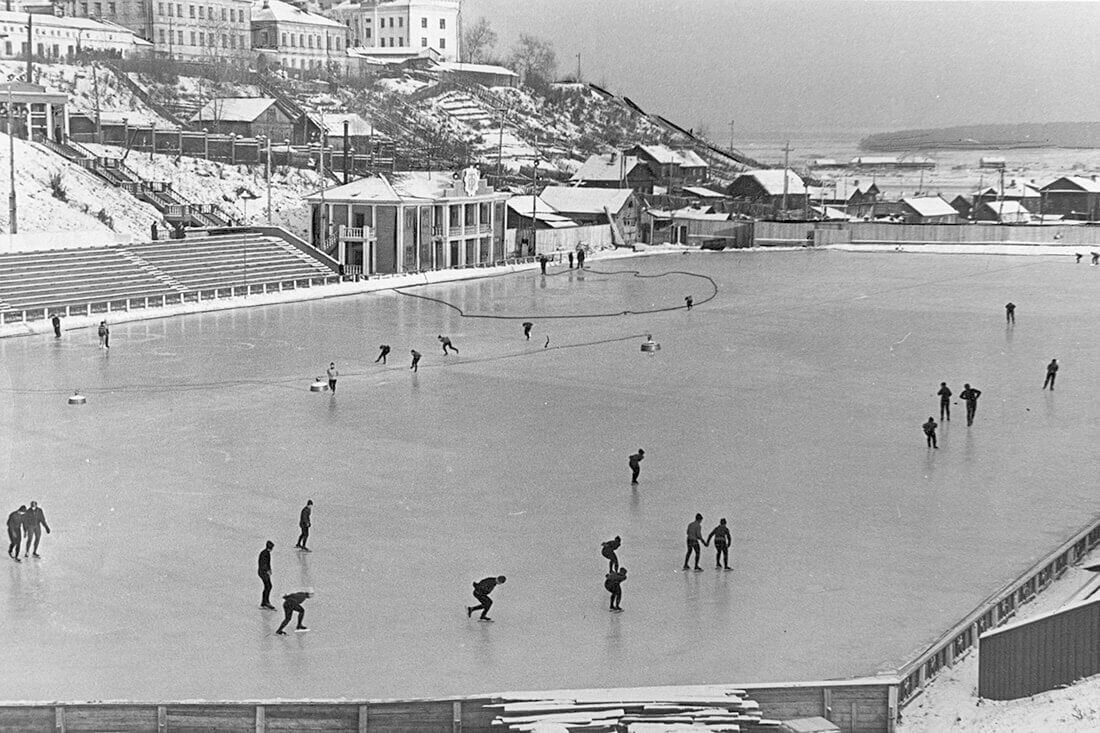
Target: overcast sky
[{"x": 823, "y": 65}]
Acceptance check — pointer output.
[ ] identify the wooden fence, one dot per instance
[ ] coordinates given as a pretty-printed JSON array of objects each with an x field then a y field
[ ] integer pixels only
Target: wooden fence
[
  {"x": 788, "y": 233},
  {"x": 860, "y": 706},
  {"x": 1040, "y": 654}
]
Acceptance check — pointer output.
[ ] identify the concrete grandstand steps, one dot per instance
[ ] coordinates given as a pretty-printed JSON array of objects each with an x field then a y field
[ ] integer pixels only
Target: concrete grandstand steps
[
  {"x": 144, "y": 265},
  {"x": 465, "y": 107}
]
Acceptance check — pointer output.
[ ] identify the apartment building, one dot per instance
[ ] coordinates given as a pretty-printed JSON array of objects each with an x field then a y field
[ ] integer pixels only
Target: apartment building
[
  {"x": 210, "y": 31},
  {"x": 412, "y": 24},
  {"x": 57, "y": 38},
  {"x": 290, "y": 37}
]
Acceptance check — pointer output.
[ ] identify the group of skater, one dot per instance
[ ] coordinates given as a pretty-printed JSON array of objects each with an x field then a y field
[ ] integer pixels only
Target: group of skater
[
  {"x": 970, "y": 395},
  {"x": 26, "y": 523},
  {"x": 292, "y": 602}
]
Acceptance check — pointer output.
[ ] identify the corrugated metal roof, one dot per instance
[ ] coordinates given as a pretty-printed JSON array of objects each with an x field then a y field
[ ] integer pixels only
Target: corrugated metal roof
[{"x": 586, "y": 200}]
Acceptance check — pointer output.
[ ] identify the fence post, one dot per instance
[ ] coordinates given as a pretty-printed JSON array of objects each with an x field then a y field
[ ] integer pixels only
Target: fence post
[
  {"x": 162, "y": 719},
  {"x": 364, "y": 720},
  {"x": 456, "y": 717},
  {"x": 59, "y": 719},
  {"x": 261, "y": 719}
]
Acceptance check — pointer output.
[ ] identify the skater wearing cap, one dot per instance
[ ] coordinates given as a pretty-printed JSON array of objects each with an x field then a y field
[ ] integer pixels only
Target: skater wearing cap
[
  {"x": 527, "y": 326},
  {"x": 721, "y": 537},
  {"x": 416, "y": 360},
  {"x": 607, "y": 549},
  {"x": 930, "y": 432},
  {"x": 265, "y": 575},
  {"x": 446, "y": 341},
  {"x": 689, "y": 302},
  {"x": 694, "y": 537},
  {"x": 1052, "y": 372},
  {"x": 293, "y": 602},
  {"x": 383, "y": 352},
  {"x": 304, "y": 523},
  {"x": 1010, "y": 313},
  {"x": 613, "y": 582},
  {"x": 33, "y": 523},
  {"x": 482, "y": 589},
  {"x": 635, "y": 462}
]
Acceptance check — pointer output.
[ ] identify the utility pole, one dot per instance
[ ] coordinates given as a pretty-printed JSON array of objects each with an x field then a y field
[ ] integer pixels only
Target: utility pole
[
  {"x": 500, "y": 147},
  {"x": 30, "y": 56},
  {"x": 13, "y": 225},
  {"x": 578, "y": 67},
  {"x": 267, "y": 177},
  {"x": 534, "y": 204},
  {"x": 786, "y": 164},
  {"x": 731, "y": 134}
]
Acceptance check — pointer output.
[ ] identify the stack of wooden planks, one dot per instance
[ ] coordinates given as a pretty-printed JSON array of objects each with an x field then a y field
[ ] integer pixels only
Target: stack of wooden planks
[{"x": 726, "y": 711}]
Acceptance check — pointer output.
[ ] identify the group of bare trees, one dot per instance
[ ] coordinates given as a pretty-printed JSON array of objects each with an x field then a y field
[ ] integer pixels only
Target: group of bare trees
[{"x": 531, "y": 57}]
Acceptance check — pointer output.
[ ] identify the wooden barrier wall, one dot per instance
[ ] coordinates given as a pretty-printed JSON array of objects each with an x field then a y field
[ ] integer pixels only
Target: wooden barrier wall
[
  {"x": 784, "y": 233},
  {"x": 1040, "y": 654},
  {"x": 856, "y": 707}
]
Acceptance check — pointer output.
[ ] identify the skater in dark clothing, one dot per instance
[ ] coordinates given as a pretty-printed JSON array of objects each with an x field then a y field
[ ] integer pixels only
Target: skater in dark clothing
[
  {"x": 1078, "y": 256},
  {"x": 542, "y": 263},
  {"x": 527, "y": 326},
  {"x": 721, "y": 537},
  {"x": 332, "y": 375},
  {"x": 305, "y": 521},
  {"x": 1095, "y": 257},
  {"x": 580, "y": 256},
  {"x": 694, "y": 537},
  {"x": 104, "y": 335},
  {"x": 264, "y": 571},
  {"x": 482, "y": 589},
  {"x": 1010, "y": 313},
  {"x": 613, "y": 582},
  {"x": 570, "y": 259},
  {"x": 15, "y": 532},
  {"x": 293, "y": 602},
  {"x": 945, "y": 401},
  {"x": 33, "y": 524},
  {"x": 416, "y": 360},
  {"x": 383, "y": 352},
  {"x": 446, "y": 341},
  {"x": 607, "y": 549},
  {"x": 635, "y": 462},
  {"x": 1052, "y": 372},
  {"x": 689, "y": 302},
  {"x": 970, "y": 396},
  {"x": 930, "y": 432},
  {"x": 56, "y": 321}
]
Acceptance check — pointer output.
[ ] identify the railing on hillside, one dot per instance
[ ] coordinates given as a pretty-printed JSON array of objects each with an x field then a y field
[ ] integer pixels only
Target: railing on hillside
[
  {"x": 162, "y": 301},
  {"x": 994, "y": 611}
]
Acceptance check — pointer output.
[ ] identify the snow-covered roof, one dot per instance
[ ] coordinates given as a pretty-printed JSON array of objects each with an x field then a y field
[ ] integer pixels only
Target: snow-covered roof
[
  {"x": 475, "y": 68},
  {"x": 586, "y": 200},
  {"x": 1076, "y": 183},
  {"x": 930, "y": 206},
  {"x": 1008, "y": 208},
  {"x": 396, "y": 187},
  {"x": 277, "y": 10},
  {"x": 771, "y": 180},
  {"x": 606, "y": 167},
  {"x": 665, "y": 155},
  {"x": 543, "y": 211},
  {"x": 68, "y": 21},
  {"x": 703, "y": 192},
  {"x": 874, "y": 160},
  {"x": 357, "y": 126},
  {"x": 233, "y": 109},
  {"x": 391, "y": 55},
  {"x": 1015, "y": 190},
  {"x": 831, "y": 213}
]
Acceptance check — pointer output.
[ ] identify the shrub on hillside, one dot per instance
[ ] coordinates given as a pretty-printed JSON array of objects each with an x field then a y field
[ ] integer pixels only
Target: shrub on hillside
[
  {"x": 57, "y": 188},
  {"x": 106, "y": 218}
]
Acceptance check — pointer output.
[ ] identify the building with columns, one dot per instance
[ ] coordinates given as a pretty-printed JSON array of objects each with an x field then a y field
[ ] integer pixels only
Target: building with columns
[
  {"x": 296, "y": 40},
  {"x": 35, "y": 111},
  {"x": 410, "y": 221},
  {"x": 415, "y": 25}
]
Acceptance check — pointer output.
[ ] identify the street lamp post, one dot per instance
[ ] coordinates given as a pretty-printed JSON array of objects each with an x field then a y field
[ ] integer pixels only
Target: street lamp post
[
  {"x": 267, "y": 177},
  {"x": 534, "y": 203},
  {"x": 14, "y": 227}
]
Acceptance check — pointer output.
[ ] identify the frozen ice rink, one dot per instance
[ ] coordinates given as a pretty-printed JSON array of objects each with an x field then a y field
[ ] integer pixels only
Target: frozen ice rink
[{"x": 791, "y": 404}]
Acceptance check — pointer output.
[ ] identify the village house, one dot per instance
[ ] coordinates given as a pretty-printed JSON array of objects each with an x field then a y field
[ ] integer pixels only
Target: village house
[
  {"x": 672, "y": 168},
  {"x": 618, "y": 207},
  {"x": 1072, "y": 197},
  {"x": 690, "y": 225},
  {"x": 415, "y": 25},
  {"x": 1001, "y": 211},
  {"x": 56, "y": 38},
  {"x": 245, "y": 117},
  {"x": 1024, "y": 193},
  {"x": 410, "y": 221},
  {"x": 927, "y": 210},
  {"x": 297, "y": 41},
  {"x": 615, "y": 170},
  {"x": 213, "y": 31},
  {"x": 769, "y": 187},
  {"x": 488, "y": 75},
  {"x": 520, "y": 210}
]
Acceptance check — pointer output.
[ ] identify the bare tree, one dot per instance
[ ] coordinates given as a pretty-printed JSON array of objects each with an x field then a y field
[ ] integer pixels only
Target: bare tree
[
  {"x": 534, "y": 60},
  {"x": 478, "y": 40}
]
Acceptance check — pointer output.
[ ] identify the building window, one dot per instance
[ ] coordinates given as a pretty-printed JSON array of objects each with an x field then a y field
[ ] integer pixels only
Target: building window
[
  {"x": 191, "y": 10},
  {"x": 442, "y": 24},
  {"x": 400, "y": 41},
  {"x": 201, "y": 13},
  {"x": 442, "y": 43},
  {"x": 111, "y": 8},
  {"x": 366, "y": 33},
  {"x": 423, "y": 22},
  {"x": 337, "y": 43},
  {"x": 83, "y": 8},
  {"x": 302, "y": 40},
  {"x": 193, "y": 38},
  {"x": 170, "y": 11},
  {"x": 202, "y": 37},
  {"x": 263, "y": 38},
  {"x": 160, "y": 8},
  {"x": 400, "y": 22},
  {"x": 99, "y": 8},
  {"x": 240, "y": 40},
  {"x": 223, "y": 13},
  {"x": 179, "y": 10},
  {"x": 225, "y": 41},
  {"x": 179, "y": 35},
  {"x": 293, "y": 41},
  {"x": 162, "y": 36},
  {"x": 423, "y": 42},
  {"x": 391, "y": 22}
]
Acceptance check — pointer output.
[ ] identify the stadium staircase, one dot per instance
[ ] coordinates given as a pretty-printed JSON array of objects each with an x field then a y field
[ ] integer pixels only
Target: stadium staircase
[
  {"x": 53, "y": 280},
  {"x": 172, "y": 206}
]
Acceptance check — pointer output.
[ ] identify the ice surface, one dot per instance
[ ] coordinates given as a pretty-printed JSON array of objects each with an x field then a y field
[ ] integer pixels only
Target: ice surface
[{"x": 791, "y": 405}]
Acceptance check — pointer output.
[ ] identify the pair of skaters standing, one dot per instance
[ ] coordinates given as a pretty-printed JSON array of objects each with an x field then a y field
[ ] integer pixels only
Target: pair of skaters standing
[{"x": 26, "y": 523}]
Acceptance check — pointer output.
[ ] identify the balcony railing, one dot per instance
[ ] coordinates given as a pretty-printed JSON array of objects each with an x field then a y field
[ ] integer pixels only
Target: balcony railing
[{"x": 355, "y": 234}]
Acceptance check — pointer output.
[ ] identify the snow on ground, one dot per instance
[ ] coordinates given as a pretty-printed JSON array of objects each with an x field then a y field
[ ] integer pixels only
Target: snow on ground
[
  {"x": 115, "y": 100},
  {"x": 91, "y": 204},
  {"x": 950, "y": 702},
  {"x": 208, "y": 181}
]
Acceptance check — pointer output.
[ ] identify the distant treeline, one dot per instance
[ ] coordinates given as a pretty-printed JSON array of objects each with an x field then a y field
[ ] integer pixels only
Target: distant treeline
[{"x": 973, "y": 137}]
